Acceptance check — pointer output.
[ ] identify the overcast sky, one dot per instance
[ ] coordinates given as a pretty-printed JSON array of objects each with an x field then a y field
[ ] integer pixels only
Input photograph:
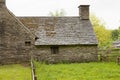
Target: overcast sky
[{"x": 107, "y": 10}]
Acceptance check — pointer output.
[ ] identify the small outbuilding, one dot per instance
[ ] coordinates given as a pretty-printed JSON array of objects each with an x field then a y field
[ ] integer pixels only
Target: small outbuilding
[{"x": 116, "y": 44}]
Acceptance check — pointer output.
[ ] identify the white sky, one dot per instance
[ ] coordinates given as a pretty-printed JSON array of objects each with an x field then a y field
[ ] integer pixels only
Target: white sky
[{"x": 107, "y": 10}]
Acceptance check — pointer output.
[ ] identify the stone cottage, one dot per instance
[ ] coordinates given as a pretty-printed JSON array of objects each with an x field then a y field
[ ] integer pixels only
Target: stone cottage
[{"x": 48, "y": 39}]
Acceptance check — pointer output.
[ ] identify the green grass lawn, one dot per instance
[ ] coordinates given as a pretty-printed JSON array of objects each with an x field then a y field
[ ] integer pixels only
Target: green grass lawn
[
  {"x": 15, "y": 72},
  {"x": 77, "y": 71}
]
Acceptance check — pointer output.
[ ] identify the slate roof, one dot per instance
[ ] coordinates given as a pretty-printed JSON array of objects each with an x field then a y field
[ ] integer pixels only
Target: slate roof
[
  {"x": 116, "y": 42},
  {"x": 60, "y": 30}
]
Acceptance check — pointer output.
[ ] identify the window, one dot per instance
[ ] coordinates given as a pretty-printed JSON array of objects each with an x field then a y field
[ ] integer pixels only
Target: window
[
  {"x": 36, "y": 38},
  {"x": 54, "y": 49},
  {"x": 27, "y": 43}
]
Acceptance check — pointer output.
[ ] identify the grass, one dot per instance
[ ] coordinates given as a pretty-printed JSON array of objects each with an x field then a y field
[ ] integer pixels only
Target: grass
[
  {"x": 78, "y": 71},
  {"x": 15, "y": 72}
]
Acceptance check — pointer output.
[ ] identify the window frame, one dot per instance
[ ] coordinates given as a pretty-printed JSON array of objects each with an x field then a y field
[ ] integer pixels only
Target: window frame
[
  {"x": 54, "y": 49},
  {"x": 27, "y": 43}
]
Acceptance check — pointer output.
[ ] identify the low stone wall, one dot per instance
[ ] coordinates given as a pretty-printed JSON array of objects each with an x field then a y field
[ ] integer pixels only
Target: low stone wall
[{"x": 67, "y": 54}]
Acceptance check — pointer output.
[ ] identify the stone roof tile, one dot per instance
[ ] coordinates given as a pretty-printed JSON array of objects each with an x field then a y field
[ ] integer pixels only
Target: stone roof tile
[{"x": 60, "y": 30}]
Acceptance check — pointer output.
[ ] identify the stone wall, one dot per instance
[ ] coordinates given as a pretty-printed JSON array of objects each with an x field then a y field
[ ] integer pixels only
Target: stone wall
[
  {"x": 14, "y": 39},
  {"x": 67, "y": 54},
  {"x": 13, "y": 47}
]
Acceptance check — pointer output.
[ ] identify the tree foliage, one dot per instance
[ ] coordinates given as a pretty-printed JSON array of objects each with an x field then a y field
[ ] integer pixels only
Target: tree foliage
[
  {"x": 103, "y": 35},
  {"x": 58, "y": 13},
  {"x": 115, "y": 34}
]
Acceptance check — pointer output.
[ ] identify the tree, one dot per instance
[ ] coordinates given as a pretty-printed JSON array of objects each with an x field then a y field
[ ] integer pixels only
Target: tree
[
  {"x": 58, "y": 13},
  {"x": 103, "y": 35},
  {"x": 119, "y": 32},
  {"x": 115, "y": 34}
]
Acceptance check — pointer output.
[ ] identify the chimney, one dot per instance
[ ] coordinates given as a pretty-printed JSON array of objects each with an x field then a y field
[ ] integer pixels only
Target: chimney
[
  {"x": 2, "y": 2},
  {"x": 84, "y": 12}
]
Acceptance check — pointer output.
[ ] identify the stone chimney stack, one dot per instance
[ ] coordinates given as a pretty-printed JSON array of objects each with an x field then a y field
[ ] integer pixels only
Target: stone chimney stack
[
  {"x": 3, "y": 2},
  {"x": 84, "y": 12}
]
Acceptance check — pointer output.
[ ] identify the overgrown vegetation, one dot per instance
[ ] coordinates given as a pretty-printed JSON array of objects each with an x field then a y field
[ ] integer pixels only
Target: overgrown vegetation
[
  {"x": 103, "y": 35},
  {"x": 81, "y": 71},
  {"x": 15, "y": 72},
  {"x": 109, "y": 55}
]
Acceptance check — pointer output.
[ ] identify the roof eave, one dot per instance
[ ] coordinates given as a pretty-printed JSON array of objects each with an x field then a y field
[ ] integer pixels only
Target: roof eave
[{"x": 67, "y": 45}]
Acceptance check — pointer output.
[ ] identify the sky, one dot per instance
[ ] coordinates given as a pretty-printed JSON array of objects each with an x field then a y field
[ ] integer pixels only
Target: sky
[{"x": 108, "y": 11}]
